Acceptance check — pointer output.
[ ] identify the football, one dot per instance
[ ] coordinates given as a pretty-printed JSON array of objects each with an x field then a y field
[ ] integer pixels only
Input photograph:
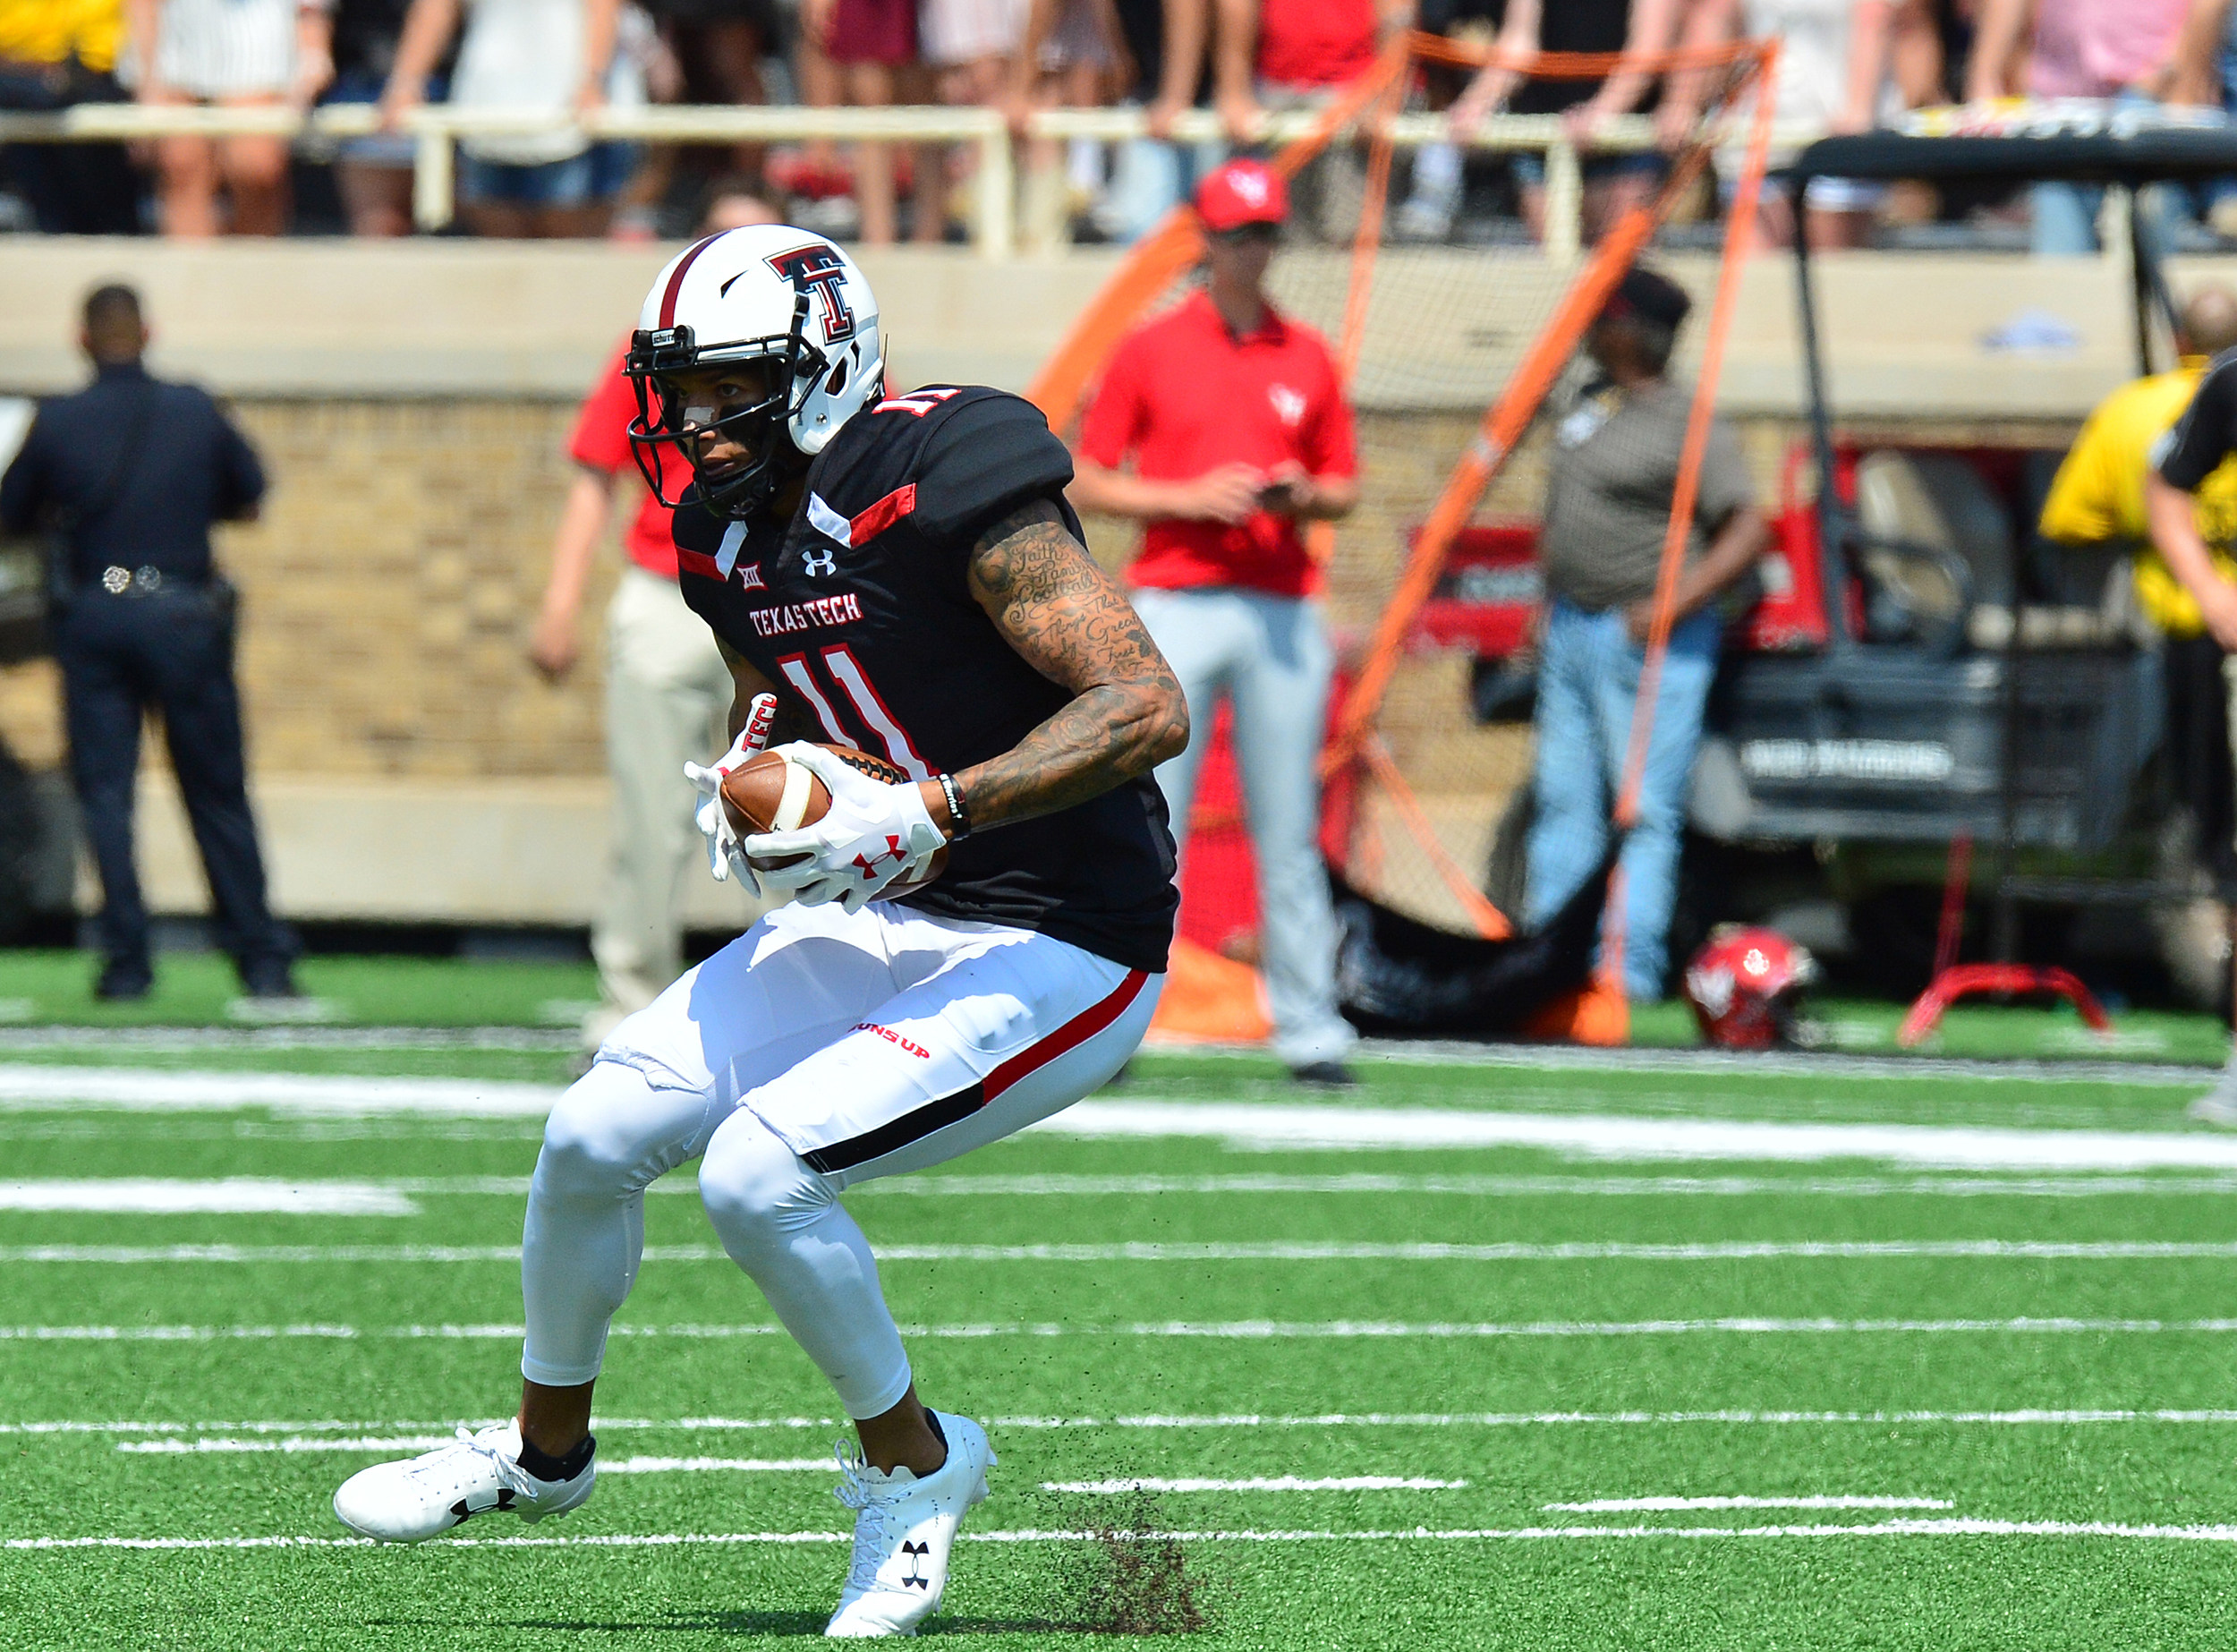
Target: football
[{"x": 770, "y": 792}]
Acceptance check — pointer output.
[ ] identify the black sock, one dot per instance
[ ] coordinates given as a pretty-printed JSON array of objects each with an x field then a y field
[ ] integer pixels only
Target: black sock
[
  {"x": 544, "y": 1465},
  {"x": 931, "y": 1421}
]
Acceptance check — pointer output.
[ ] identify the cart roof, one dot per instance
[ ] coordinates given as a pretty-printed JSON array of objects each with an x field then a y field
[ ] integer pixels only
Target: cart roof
[{"x": 2123, "y": 148}]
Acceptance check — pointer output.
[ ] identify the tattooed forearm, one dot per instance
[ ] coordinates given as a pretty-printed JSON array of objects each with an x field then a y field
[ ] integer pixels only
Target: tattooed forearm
[{"x": 1068, "y": 619}]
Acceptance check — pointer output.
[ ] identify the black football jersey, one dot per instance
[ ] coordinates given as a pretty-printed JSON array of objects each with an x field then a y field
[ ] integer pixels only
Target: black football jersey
[{"x": 859, "y": 610}]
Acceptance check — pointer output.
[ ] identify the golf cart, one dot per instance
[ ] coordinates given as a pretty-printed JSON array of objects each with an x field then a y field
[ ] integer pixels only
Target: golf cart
[
  {"x": 1935, "y": 675},
  {"x": 1918, "y": 672}
]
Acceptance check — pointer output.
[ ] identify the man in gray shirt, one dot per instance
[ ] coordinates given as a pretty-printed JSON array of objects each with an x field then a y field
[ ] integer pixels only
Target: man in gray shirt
[{"x": 1614, "y": 474}]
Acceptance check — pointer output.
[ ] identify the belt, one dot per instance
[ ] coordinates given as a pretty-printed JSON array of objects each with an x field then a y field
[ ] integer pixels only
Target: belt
[{"x": 148, "y": 580}]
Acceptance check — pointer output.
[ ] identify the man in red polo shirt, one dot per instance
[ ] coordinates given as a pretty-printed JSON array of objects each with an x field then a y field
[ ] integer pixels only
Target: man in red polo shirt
[
  {"x": 667, "y": 691},
  {"x": 1238, "y": 433}
]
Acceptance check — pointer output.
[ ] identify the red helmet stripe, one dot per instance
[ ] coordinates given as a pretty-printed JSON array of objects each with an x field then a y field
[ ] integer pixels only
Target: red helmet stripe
[{"x": 683, "y": 267}]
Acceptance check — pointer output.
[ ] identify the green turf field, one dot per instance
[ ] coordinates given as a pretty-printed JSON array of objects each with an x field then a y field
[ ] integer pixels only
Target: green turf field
[{"x": 1636, "y": 1353}]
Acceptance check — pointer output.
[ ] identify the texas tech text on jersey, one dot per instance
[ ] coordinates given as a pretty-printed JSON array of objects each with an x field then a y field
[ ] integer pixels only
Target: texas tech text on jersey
[{"x": 860, "y": 609}]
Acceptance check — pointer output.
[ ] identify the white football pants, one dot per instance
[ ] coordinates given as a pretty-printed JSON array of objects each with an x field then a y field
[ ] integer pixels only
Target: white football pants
[{"x": 815, "y": 1051}]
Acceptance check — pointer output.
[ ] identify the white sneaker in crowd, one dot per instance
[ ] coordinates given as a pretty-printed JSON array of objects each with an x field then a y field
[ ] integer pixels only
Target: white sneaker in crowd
[
  {"x": 419, "y": 1497},
  {"x": 903, "y": 1527}
]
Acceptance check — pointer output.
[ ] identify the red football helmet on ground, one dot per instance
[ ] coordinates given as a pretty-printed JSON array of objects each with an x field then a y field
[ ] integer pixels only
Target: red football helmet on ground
[{"x": 1746, "y": 987}]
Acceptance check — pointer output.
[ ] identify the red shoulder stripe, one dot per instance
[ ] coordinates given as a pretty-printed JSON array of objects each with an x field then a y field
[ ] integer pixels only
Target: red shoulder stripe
[
  {"x": 697, "y": 562},
  {"x": 882, "y": 515}
]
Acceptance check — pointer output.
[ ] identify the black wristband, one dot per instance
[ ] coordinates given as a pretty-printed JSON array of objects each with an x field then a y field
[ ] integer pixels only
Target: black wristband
[{"x": 958, "y": 823}]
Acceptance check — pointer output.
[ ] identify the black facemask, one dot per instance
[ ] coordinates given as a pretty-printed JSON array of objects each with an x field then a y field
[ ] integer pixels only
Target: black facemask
[{"x": 763, "y": 428}]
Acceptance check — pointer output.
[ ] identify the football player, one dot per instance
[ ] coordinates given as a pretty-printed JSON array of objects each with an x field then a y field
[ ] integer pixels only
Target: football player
[{"x": 904, "y": 574}]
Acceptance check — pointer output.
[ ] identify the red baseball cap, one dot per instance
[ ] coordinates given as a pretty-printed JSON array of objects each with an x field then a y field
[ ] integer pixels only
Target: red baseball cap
[{"x": 1242, "y": 191}]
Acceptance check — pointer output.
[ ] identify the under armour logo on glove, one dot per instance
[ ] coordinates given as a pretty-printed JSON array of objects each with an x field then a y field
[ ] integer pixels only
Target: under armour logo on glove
[
  {"x": 872, "y": 833},
  {"x": 917, "y": 1554},
  {"x": 867, "y": 863}
]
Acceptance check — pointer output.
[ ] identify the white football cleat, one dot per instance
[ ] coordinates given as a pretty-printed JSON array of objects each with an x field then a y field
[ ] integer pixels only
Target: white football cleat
[
  {"x": 903, "y": 1527},
  {"x": 419, "y": 1497}
]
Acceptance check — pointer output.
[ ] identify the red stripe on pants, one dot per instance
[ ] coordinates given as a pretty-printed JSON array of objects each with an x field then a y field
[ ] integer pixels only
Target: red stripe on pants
[{"x": 1073, "y": 1034}]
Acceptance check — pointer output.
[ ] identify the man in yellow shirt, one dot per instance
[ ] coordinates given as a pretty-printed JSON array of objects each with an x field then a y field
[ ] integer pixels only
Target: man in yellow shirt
[
  {"x": 2098, "y": 499},
  {"x": 54, "y": 53}
]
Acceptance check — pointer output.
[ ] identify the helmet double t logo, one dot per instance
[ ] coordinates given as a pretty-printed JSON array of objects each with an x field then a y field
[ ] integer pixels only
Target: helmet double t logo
[{"x": 818, "y": 268}]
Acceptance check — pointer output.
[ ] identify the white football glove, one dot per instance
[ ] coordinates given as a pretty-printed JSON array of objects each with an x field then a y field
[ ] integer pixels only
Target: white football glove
[
  {"x": 873, "y": 834},
  {"x": 726, "y": 857}
]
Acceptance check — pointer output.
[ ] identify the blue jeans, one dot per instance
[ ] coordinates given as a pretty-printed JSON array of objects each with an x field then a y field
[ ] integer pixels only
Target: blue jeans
[
  {"x": 2063, "y": 221},
  {"x": 596, "y": 174},
  {"x": 1151, "y": 178},
  {"x": 1588, "y": 680}
]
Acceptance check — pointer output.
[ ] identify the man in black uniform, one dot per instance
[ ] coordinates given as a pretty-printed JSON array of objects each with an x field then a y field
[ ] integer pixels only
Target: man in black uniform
[
  {"x": 2185, "y": 457},
  {"x": 131, "y": 472},
  {"x": 903, "y": 576}
]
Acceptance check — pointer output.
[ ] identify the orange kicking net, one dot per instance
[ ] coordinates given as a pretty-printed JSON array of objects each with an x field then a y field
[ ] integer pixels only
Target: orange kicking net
[{"x": 1456, "y": 332}]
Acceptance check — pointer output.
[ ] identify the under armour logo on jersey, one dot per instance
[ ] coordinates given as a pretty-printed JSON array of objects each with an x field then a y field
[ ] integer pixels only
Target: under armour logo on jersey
[
  {"x": 915, "y": 1578},
  {"x": 1288, "y": 404},
  {"x": 818, "y": 563},
  {"x": 819, "y": 268}
]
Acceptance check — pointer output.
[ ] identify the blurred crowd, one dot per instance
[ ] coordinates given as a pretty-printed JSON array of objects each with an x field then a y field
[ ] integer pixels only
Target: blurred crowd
[{"x": 1846, "y": 65}]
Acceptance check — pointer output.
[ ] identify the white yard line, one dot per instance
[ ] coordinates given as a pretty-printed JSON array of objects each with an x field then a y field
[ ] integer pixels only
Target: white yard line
[
  {"x": 27, "y": 1085},
  {"x": 1607, "y": 1136},
  {"x": 1665, "y": 1505},
  {"x": 169, "y": 1436},
  {"x": 394, "y": 1195},
  {"x": 1269, "y": 1250},
  {"x": 1242, "y": 1330},
  {"x": 1273, "y": 1483},
  {"x": 175, "y": 1039},
  {"x": 1251, "y": 1125},
  {"x": 728, "y": 1465},
  {"x": 1946, "y": 1527},
  {"x": 2083, "y": 1184},
  {"x": 231, "y": 1196},
  {"x": 171, "y": 1446}
]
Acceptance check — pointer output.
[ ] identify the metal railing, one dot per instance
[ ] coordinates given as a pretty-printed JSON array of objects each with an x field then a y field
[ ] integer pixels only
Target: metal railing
[{"x": 997, "y": 230}]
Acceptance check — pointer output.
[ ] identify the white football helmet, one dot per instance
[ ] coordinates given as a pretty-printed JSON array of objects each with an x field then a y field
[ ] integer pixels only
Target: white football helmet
[{"x": 767, "y": 293}]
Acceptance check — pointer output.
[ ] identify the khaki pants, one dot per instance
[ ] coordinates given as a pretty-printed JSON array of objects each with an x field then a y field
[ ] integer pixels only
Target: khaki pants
[{"x": 668, "y": 695}]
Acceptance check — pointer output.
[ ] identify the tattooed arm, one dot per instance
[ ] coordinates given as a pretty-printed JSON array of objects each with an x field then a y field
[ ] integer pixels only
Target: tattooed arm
[
  {"x": 1069, "y": 621},
  {"x": 792, "y": 722}
]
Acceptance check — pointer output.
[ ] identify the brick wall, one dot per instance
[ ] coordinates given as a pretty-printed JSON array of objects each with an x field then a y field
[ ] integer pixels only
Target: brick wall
[{"x": 390, "y": 589}]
